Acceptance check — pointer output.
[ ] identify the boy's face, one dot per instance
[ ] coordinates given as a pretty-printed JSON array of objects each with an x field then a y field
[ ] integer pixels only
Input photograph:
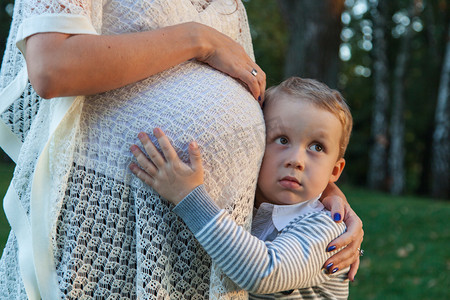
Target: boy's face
[{"x": 301, "y": 156}]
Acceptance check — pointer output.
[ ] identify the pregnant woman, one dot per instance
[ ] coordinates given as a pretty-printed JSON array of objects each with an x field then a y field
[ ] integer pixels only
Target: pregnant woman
[{"x": 82, "y": 226}]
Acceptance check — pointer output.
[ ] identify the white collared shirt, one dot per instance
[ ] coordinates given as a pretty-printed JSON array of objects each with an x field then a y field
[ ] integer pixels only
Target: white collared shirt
[{"x": 269, "y": 219}]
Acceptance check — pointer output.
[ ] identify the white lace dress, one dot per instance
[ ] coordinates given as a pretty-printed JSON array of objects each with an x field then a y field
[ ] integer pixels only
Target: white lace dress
[{"x": 82, "y": 225}]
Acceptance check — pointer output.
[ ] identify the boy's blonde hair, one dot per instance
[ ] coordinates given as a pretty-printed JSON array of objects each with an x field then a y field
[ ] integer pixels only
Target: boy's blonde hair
[{"x": 321, "y": 96}]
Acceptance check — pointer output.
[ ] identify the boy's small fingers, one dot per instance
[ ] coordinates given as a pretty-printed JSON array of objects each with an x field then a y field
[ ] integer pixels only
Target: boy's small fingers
[
  {"x": 195, "y": 156},
  {"x": 141, "y": 174},
  {"x": 143, "y": 161},
  {"x": 166, "y": 147},
  {"x": 151, "y": 150}
]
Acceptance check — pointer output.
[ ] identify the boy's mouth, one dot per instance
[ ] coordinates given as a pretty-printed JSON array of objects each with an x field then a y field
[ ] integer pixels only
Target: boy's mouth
[{"x": 290, "y": 182}]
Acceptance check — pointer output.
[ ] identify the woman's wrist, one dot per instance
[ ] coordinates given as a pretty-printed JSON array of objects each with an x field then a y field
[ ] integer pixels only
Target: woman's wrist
[{"x": 199, "y": 37}]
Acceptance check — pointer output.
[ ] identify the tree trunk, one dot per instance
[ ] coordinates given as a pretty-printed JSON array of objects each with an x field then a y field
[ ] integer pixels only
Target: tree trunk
[
  {"x": 376, "y": 176},
  {"x": 441, "y": 139},
  {"x": 397, "y": 129},
  {"x": 315, "y": 28}
]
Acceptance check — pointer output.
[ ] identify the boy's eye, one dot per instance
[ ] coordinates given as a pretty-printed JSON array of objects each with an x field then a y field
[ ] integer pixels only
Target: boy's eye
[
  {"x": 281, "y": 140},
  {"x": 316, "y": 147}
]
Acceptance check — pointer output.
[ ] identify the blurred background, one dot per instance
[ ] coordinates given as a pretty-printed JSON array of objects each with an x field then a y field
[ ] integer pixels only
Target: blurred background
[{"x": 391, "y": 61}]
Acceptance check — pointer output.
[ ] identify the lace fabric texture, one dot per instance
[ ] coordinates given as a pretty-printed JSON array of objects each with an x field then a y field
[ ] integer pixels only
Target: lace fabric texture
[
  {"x": 113, "y": 237},
  {"x": 19, "y": 116}
]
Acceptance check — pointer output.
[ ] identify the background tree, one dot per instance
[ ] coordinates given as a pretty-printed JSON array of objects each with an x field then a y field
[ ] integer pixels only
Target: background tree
[
  {"x": 441, "y": 139},
  {"x": 6, "y": 9},
  {"x": 269, "y": 36},
  {"x": 376, "y": 176},
  {"x": 397, "y": 127},
  {"x": 314, "y": 28}
]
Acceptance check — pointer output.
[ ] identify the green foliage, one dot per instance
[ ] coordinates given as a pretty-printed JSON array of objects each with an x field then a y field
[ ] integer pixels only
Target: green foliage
[
  {"x": 5, "y": 21},
  {"x": 6, "y": 171},
  {"x": 270, "y": 37}
]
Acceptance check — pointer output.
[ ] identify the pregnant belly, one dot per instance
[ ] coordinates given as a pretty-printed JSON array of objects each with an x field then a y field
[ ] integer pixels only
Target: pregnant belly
[{"x": 190, "y": 101}]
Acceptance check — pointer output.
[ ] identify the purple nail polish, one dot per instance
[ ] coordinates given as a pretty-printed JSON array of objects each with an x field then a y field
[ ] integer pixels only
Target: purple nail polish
[
  {"x": 259, "y": 98},
  {"x": 329, "y": 265},
  {"x": 331, "y": 248},
  {"x": 337, "y": 217},
  {"x": 335, "y": 270}
]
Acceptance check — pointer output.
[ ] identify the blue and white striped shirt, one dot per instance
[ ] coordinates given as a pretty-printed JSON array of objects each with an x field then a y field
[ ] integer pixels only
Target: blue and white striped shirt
[{"x": 289, "y": 267}]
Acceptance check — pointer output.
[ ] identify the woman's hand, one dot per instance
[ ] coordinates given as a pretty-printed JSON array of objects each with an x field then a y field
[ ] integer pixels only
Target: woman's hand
[
  {"x": 334, "y": 200},
  {"x": 167, "y": 174},
  {"x": 226, "y": 55}
]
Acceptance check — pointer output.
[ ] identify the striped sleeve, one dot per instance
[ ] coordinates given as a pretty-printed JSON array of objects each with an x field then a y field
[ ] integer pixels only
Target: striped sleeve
[{"x": 293, "y": 260}]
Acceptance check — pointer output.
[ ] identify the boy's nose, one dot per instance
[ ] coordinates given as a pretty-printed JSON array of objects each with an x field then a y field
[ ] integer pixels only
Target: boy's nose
[
  {"x": 296, "y": 160},
  {"x": 295, "y": 164}
]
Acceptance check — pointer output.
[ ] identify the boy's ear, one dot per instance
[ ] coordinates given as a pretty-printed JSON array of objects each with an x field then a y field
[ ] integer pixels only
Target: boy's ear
[{"x": 337, "y": 170}]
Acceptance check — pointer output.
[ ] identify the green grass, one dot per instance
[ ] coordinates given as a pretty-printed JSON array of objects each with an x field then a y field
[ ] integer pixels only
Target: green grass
[
  {"x": 6, "y": 171},
  {"x": 406, "y": 244}
]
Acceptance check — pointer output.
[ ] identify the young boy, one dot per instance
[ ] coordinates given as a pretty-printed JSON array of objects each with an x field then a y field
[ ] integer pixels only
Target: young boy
[{"x": 308, "y": 128}]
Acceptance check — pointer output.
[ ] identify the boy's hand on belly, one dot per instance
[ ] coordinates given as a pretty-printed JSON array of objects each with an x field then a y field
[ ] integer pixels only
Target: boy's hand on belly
[{"x": 166, "y": 173}]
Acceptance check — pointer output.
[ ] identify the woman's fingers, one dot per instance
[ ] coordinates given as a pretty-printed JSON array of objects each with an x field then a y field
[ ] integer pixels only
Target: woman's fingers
[
  {"x": 337, "y": 207},
  {"x": 333, "y": 265},
  {"x": 354, "y": 231},
  {"x": 343, "y": 258},
  {"x": 351, "y": 240},
  {"x": 261, "y": 78},
  {"x": 255, "y": 78},
  {"x": 228, "y": 56},
  {"x": 250, "y": 80},
  {"x": 345, "y": 239},
  {"x": 354, "y": 235},
  {"x": 353, "y": 269},
  {"x": 334, "y": 200},
  {"x": 348, "y": 256}
]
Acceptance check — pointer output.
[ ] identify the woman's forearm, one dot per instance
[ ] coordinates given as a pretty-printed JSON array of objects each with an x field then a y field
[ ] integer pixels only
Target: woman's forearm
[
  {"x": 332, "y": 190},
  {"x": 68, "y": 65}
]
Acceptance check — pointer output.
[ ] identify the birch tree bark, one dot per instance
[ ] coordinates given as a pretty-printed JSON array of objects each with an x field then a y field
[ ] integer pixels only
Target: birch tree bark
[
  {"x": 376, "y": 176},
  {"x": 315, "y": 28},
  {"x": 396, "y": 159},
  {"x": 441, "y": 139}
]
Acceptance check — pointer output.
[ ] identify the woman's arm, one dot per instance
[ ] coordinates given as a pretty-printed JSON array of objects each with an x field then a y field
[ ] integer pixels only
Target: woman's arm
[{"x": 69, "y": 65}]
